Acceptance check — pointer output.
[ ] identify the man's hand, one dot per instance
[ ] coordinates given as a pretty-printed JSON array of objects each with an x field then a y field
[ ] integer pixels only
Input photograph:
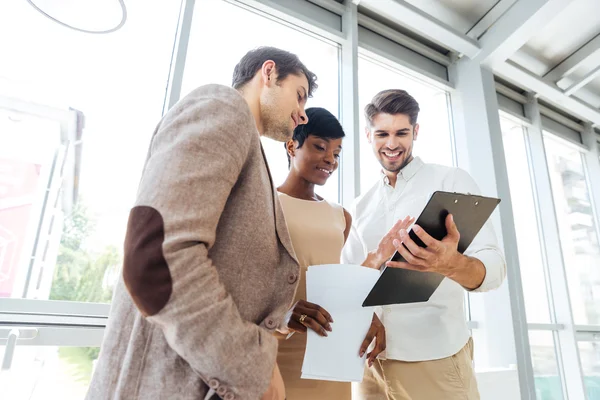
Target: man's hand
[
  {"x": 308, "y": 315},
  {"x": 385, "y": 248},
  {"x": 276, "y": 389},
  {"x": 439, "y": 256},
  {"x": 376, "y": 331}
]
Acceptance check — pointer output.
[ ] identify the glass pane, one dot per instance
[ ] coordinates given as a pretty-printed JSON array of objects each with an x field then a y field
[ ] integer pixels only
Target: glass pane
[
  {"x": 42, "y": 372},
  {"x": 589, "y": 353},
  {"x": 208, "y": 63},
  {"x": 526, "y": 223},
  {"x": 434, "y": 143},
  {"x": 577, "y": 229},
  {"x": 545, "y": 367},
  {"x": 61, "y": 229},
  {"x": 25, "y": 173}
]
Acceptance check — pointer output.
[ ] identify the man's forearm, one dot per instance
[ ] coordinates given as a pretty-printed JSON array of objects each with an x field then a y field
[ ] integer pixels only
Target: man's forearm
[{"x": 469, "y": 272}]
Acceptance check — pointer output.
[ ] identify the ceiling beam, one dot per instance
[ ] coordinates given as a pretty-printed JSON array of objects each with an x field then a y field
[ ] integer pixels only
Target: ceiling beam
[
  {"x": 416, "y": 20},
  {"x": 574, "y": 61},
  {"x": 489, "y": 18},
  {"x": 513, "y": 72},
  {"x": 579, "y": 83},
  {"x": 517, "y": 26},
  {"x": 520, "y": 23}
]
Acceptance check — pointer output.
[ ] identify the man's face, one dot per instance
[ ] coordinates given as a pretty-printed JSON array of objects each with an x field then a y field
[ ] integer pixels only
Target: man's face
[
  {"x": 391, "y": 137},
  {"x": 282, "y": 106}
]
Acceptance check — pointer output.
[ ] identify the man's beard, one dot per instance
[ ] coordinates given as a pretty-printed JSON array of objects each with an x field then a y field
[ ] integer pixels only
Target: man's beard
[
  {"x": 277, "y": 130},
  {"x": 398, "y": 169},
  {"x": 273, "y": 127}
]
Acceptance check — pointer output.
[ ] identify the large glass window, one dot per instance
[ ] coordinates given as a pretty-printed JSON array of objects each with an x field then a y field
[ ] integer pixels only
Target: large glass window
[
  {"x": 434, "y": 143},
  {"x": 545, "y": 365},
  {"x": 531, "y": 262},
  {"x": 42, "y": 372},
  {"x": 77, "y": 112},
  {"x": 68, "y": 179},
  {"x": 577, "y": 228},
  {"x": 589, "y": 353},
  {"x": 212, "y": 61}
]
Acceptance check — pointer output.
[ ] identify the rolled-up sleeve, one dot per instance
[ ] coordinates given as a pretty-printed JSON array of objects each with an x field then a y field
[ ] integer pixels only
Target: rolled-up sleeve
[{"x": 485, "y": 245}]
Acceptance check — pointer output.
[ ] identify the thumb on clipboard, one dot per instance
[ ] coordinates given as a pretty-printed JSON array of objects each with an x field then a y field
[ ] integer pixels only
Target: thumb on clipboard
[{"x": 440, "y": 256}]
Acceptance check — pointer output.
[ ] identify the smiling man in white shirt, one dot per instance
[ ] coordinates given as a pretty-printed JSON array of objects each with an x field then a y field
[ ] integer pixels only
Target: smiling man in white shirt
[{"x": 429, "y": 347}]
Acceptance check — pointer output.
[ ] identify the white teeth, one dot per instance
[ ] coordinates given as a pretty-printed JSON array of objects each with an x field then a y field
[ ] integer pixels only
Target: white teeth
[
  {"x": 396, "y": 154},
  {"x": 324, "y": 170}
]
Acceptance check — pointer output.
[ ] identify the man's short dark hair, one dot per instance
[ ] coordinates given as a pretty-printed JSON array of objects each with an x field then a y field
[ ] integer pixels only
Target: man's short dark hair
[
  {"x": 392, "y": 101},
  {"x": 286, "y": 64},
  {"x": 321, "y": 123}
]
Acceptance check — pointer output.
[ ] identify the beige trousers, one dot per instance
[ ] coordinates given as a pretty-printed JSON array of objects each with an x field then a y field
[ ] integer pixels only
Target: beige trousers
[{"x": 450, "y": 378}]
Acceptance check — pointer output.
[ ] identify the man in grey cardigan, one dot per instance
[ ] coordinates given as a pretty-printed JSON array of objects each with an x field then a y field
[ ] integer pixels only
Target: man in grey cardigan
[{"x": 209, "y": 270}]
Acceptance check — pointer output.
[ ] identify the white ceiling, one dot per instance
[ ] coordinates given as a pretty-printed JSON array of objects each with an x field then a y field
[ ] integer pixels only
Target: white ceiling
[
  {"x": 554, "y": 41},
  {"x": 462, "y": 15},
  {"x": 576, "y": 25},
  {"x": 595, "y": 86},
  {"x": 564, "y": 35}
]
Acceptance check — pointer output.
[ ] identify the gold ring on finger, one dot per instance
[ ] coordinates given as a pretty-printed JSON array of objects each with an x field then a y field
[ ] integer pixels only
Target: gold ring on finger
[{"x": 302, "y": 318}]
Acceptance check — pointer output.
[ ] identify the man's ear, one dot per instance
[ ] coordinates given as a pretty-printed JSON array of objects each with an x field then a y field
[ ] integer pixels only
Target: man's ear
[
  {"x": 268, "y": 72},
  {"x": 368, "y": 133},
  {"x": 416, "y": 132}
]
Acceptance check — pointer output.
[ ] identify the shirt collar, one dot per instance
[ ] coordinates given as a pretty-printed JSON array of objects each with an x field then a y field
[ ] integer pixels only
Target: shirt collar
[{"x": 407, "y": 172}]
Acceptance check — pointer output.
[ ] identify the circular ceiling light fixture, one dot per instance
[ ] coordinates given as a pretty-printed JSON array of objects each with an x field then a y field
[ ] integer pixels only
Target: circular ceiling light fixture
[{"x": 87, "y": 16}]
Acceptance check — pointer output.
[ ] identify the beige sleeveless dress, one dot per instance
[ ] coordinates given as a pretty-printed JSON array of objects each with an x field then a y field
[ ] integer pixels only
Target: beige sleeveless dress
[{"x": 317, "y": 232}]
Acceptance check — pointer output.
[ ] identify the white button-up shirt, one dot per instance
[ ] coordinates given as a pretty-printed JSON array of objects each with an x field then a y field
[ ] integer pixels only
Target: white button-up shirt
[{"x": 437, "y": 328}]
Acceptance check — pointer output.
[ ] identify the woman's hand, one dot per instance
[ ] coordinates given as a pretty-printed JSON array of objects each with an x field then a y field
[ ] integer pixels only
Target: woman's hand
[
  {"x": 377, "y": 331},
  {"x": 385, "y": 248},
  {"x": 308, "y": 315}
]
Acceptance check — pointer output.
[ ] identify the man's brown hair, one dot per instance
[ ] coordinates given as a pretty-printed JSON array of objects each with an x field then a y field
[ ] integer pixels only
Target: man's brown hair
[{"x": 392, "y": 101}]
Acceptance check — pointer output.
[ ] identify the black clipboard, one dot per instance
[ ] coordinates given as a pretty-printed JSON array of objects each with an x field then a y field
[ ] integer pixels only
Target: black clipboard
[{"x": 400, "y": 286}]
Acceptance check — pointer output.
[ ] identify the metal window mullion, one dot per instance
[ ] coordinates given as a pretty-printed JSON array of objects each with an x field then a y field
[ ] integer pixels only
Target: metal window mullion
[
  {"x": 53, "y": 336},
  {"x": 567, "y": 351},
  {"x": 53, "y": 307},
  {"x": 587, "y": 328},
  {"x": 480, "y": 150},
  {"x": 349, "y": 109},
  {"x": 50, "y": 320},
  {"x": 515, "y": 284},
  {"x": 592, "y": 166},
  {"x": 180, "y": 46},
  {"x": 545, "y": 327}
]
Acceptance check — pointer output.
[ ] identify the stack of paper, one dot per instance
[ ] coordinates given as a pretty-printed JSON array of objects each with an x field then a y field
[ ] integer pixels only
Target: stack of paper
[{"x": 340, "y": 289}]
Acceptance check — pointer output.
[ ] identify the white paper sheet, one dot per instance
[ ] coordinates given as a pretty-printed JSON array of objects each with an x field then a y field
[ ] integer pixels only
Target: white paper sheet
[{"x": 341, "y": 290}]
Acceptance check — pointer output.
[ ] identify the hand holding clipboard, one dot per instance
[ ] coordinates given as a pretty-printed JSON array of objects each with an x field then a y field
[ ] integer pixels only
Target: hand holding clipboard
[
  {"x": 412, "y": 284},
  {"x": 421, "y": 252}
]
